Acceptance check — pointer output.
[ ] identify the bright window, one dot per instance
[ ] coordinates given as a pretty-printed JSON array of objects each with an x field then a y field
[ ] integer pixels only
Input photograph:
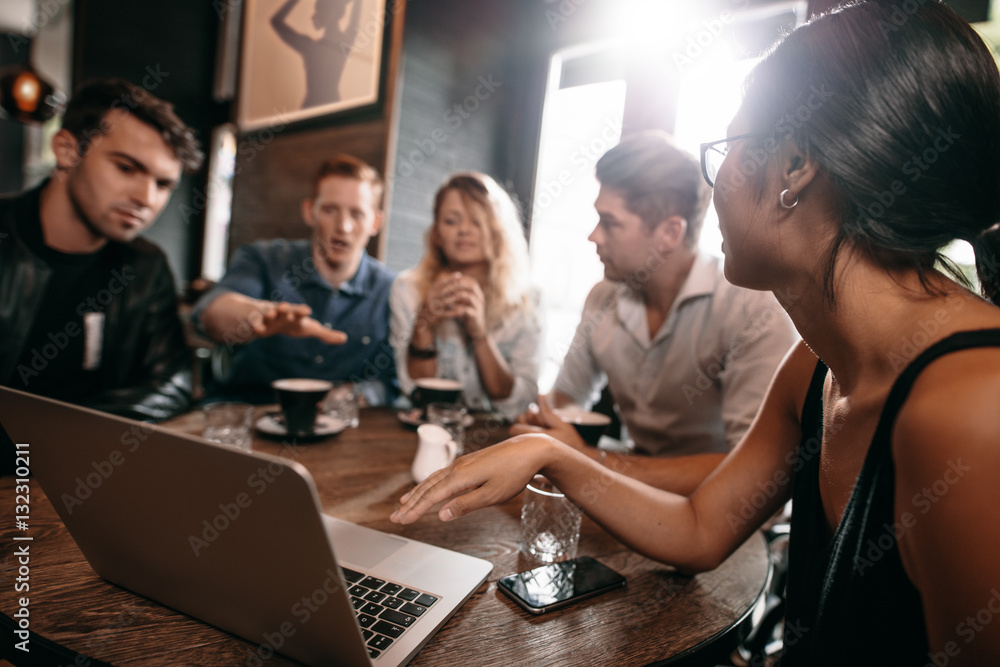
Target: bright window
[
  {"x": 580, "y": 123},
  {"x": 582, "y": 118}
]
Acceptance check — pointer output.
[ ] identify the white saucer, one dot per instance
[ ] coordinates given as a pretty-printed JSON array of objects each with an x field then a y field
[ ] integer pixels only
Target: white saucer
[
  {"x": 413, "y": 418},
  {"x": 273, "y": 424}
]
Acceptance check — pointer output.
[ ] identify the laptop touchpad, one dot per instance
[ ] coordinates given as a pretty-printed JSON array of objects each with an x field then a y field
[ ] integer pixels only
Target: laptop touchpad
[{"x": 361, "y": 546}]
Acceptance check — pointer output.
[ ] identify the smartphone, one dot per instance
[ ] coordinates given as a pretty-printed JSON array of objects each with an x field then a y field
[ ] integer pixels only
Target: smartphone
[{"x": 560, "y": 584}]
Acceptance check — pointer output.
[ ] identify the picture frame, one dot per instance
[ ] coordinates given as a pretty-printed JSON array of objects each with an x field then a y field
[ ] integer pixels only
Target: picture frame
[{"x": 310, "y": 59}]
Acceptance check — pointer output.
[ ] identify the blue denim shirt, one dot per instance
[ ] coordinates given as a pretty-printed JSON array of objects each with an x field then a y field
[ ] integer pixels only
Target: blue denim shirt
[{"x": 283, "y": 270}]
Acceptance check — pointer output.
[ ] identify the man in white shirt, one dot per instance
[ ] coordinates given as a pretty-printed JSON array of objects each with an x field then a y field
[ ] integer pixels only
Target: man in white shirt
[{"x": 686, "y": 356}]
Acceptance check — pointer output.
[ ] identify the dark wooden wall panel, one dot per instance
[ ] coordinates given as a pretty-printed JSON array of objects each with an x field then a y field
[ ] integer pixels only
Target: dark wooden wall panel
[
  {"x": 447, "y": 46},
  {"x": 429, "y": 147},
  {"x": 276, "y": 167},
  {"x": 274, "y": 178},
  {"x": 14, "y": 50},
  {"x": 470, "y": 55},
  {"x": 168, "y": 48}
]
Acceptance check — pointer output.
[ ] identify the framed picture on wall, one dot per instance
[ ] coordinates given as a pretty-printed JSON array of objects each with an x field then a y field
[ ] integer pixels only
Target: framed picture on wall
[{"x": 304, "y": 59}]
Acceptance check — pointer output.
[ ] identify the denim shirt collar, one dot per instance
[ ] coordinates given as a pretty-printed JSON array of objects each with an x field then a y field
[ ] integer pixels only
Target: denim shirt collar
[{"x": 354, "y": 286}]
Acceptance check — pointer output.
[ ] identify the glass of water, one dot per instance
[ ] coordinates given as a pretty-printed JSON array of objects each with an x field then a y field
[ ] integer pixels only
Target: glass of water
[
  {"x": 550, "y": 522},
  {"x": 450, "y": 416},
  {"x": 342, "y": 402},
  {"x": 229, "y": 424}
]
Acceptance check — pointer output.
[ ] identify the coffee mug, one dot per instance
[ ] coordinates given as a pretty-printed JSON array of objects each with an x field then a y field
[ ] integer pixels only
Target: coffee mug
[
  {"x": 435, "y": 390},
  {"x": 590, "y": 425},
  {"x": 299, "y": 399}
]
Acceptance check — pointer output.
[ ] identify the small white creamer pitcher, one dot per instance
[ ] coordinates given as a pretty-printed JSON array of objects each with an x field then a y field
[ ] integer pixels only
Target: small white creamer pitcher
[{"x": 436, "y": 450}]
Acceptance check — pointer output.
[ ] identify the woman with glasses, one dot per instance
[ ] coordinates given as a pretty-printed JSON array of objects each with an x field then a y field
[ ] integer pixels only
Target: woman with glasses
[
  {"x": 867, "y": 140},
  {"x": 466, "y": 312}
]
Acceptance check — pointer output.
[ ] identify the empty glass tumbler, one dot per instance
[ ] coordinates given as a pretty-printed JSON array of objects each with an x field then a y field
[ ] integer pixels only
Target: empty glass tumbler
[
  {"x": 229, "y": 424},
  {"x": 550, "y": 522}
]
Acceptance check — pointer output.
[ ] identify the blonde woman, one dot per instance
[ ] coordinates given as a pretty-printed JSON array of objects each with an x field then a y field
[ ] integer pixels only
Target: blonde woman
[{"x": 466, "y": 312}]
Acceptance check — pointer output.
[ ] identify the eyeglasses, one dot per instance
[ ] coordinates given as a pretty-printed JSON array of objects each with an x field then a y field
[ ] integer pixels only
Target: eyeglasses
[{"x": 714, "y": 152}]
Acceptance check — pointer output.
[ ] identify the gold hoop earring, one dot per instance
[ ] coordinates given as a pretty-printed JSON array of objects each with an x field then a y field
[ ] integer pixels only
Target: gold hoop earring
[{"x": 781, "y": 200}]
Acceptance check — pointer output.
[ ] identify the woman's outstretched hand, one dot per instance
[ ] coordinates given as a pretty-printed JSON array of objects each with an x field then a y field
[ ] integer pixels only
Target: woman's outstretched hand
[{"x": 487, "y": 477}]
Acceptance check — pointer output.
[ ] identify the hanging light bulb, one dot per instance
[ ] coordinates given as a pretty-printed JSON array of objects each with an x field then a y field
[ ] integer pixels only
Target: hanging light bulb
[
  {"x": 27, "y": 91},
  {"x": 28, "y": 98}
]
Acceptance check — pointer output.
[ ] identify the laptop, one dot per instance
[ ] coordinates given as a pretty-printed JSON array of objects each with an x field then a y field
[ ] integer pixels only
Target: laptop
[{"x": 236, "y": 539}]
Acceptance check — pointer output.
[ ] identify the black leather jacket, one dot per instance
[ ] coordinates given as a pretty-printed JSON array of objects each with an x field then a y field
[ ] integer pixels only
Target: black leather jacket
[{"x": 146, "y": 363}]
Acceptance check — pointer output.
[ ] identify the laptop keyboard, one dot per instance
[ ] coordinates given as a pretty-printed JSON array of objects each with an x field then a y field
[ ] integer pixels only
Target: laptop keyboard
[{"x": 384, "y": 609}]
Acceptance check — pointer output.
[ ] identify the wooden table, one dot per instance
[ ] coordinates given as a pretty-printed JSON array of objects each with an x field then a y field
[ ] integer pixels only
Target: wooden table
[{"x": 360, "y": 475}]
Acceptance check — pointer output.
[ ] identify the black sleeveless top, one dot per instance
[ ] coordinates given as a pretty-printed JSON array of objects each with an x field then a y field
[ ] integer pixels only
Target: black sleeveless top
[{"x": 849, "y": 601}]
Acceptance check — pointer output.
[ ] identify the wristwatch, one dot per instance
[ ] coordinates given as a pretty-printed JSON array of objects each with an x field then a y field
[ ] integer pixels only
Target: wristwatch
[{"x": 422, "y": 352}]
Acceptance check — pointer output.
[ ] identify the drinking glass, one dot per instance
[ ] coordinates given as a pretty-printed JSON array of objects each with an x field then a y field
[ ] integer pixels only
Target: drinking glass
[
  {"x": 550, "y": 522},
  {"x": 229, "y": 424},
  {"x": 342, "y": 403},
  {"x": 450, "y": 416}
]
